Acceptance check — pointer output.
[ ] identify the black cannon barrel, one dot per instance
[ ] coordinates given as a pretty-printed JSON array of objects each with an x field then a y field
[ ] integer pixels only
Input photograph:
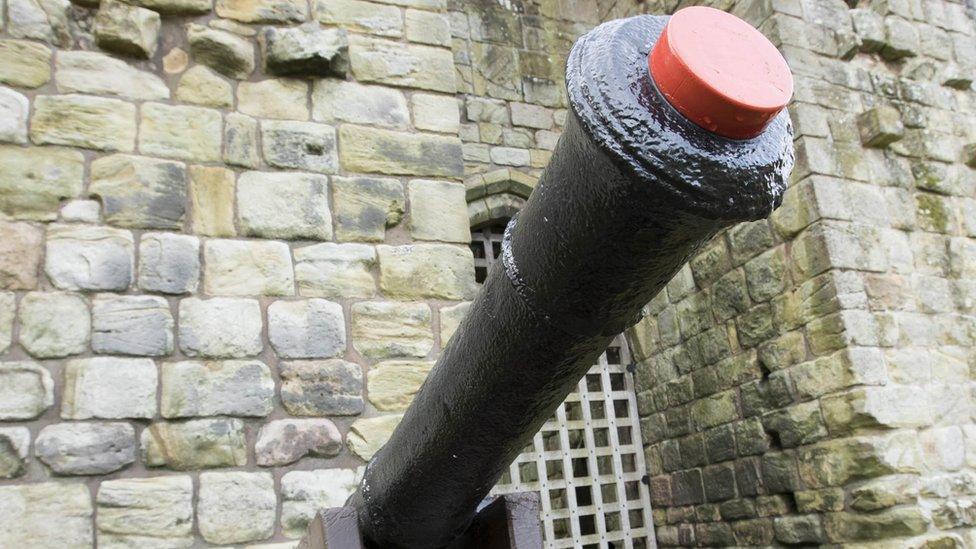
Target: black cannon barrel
[{"x": 632, "y": 191}]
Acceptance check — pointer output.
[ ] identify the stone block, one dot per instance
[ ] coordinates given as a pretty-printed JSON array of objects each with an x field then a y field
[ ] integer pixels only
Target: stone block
[
  {"x": 880, "y": 126},
  {"x": 336, "y": 100},
  {"x": 365, "y": 207},
  {"x": 132, "y": 325},
  {"x": 82, "y": 257},
  {"x": 169, "y": 263},
  {"x": 20, "y": 255},
  {"x": 322, "y": 387},
  {"x": 46, "y": 21},
  {"x": 236, "y": 507},
  {"x": 884, "y": 493},
  {"x": 109, "y": 388},
  {"x": 390, "y": 329},
  {"x": 220, "y": 327},
  {"x": 232, "y": 388},
  {"x": 373, "y": 150},
  {"x": 97, "y": 73},
  {"x": 393, "y": 384},
  {"x": 284, "y": 205},
  {"x": 312, "y": 328},
  {"x": 901, "y": 39},
  {"x": 417, "y": 271},
  {"x": 236, "y": 267},
  {"x": 28, "y": 511},
  {"x": 847, "y": 526},
  {"x": 84, "y": 121},
  {"x": 195, "y": 444},
  {"x": 8, "y": 311},
  {"x": 367, "y": 436},
  {"x": 127, "y": 29},
  {"x": 286, "y": 441},
  {"x": 435, "y": 113},
  {"x": 145, "y": 512},
  {"x": 201, "y": 85},
  {"x": 176, "y": 7},
  {"x": 397, "y": 64},
  {"x": 212, "y": 192},
  {"x": 427, "y": 27},
  {"x": 510, "y": 156},
  {"x": 307, "y": 50},
  {"x": 359, "y": 16},
  {"x": 14, "y": 110},
  {"x": 141, "y": 193},
  {"x": 24, "y": 64},
  {"x": 531, "y": 116},
  {"x": 54, "y": 324},
  {"x": 86, "y": 448},
  {"x": 335, "y": 270},
  {"x": 281, "y": 98},
  {"x": 34, "y": 181},
  {"x": 14, "y": 449},
  {"x": 767, "y": 275},
  {"x": 26, "y": 391},
  {"x": 451, "y": 318},
  {"x": 305, "y": 493},
  {"x": 224, "y": 52},
  {"x": 241, "y": 141},
  {"x": 263, "y": 11},
  {"x": 299, "y": 145},
  {"x": 187, "y": 133},
  {"x": 438, "y": 211},
  {"x": 799, "y": 530}
]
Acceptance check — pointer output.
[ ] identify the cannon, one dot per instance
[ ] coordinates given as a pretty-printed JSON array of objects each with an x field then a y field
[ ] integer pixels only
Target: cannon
[{"x": 675, "y": 131}]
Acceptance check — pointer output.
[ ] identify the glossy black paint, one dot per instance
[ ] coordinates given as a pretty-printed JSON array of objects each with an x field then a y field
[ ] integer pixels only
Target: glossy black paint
[{"x": 632, "y": 191}]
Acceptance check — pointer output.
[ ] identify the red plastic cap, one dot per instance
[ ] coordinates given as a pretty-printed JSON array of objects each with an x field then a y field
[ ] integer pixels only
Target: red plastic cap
[{"x": 720, "y": 72}]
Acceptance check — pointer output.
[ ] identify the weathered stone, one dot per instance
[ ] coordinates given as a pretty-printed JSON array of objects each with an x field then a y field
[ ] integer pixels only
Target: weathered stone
[
  {"x": 40, "y": 20},
  {"x": 8, "y": 311},
  {"x": 390, "y": 329},
  {"x": 236, "y": 507},
  {"x": 195, "y": 444},
  {"x": 202, "y": 86},
  {"x": 428, "y": 27},
  {"x": 139, "y": 192},
  {"x": 82, "y": 257},
  {"x": 176, "y": 7},
  {"x": 450, "y": 320},
  {"x": 26, "y": 391},
  {"x": 307, "y": 50},
  {"x": 285, "y": 441},
  {"x": 438, "y": 211},
  {"x": 299, "y": 145},
  {"x": 337, "y": 100},
  {"x": 367, "y": 436},
  {"x": 880, "y": 126},
  {"x": 25, "y": 64},
  {"x": 901, "y": 39},
  {"x": 97, "y": 73},
  {"x": 212, "y": 191},
  {"x": 322, "y": 387},
  {"x": 241, "y": 141},
  {"x": 127, "y": 29},
  {"x": 14, "y": 110},
  {"x": 28, "y": 511},
  {"x": 888, "y": 524},
  {"x": 220, "y": 327},
  {"x": 398, "y": 64},
  {"x": 145, "y": 512},
  {"x": 175, "y": 61},
  {"x": 312, "y": 328},
  {"x": 54, "y": 324},
  {"x": 188, "y": 133},
  {"x": 263, "y": 11},
  {"x": 284, "y": 205},
  {"x": 235, "y": 267},
  {"x": 86, "y": 448},
  {"x": 169, "y": 263},
  {"x": 359, "y": 16},
  {"x": 82, "y": 211},
  {"x": 84, "y": 121},
  {"x": 799, "y": 530},
  {"x": 34, "y": 181},
  {"x": 510, "y": 156},
  {"x": 283, "y": 98},
  {"x": 365, "y": 207},
  {"x": 109, "y": 388},
  {"x": 335, "y": 270},
  {"x": 436, "y": 113},
  {"x": 393, "y": 384},
  {"x": 222, "y": 51},
  {"x": 14, "y": 449},
  {"x": 426, "y": 270},
  {"x": 20, "y": 254},
  {"x": 305, "y": 493},
  {"x": 231, "y": 387},
  {"x": 767, "y": 275}
]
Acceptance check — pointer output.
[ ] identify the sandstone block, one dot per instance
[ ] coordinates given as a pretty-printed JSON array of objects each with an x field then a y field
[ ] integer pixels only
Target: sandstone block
[
  {"x": 438, "y": 211},
  {"x": 97, "y": 73},
  {"x": 365, "y": 207},
  {"x": 284, "y": 205},
  {"x": 86, "y": 448},
  {"x": 126, "y": 29},
  {"x": 427, "y": 27},
  {"x": 82, "y": 257},
  {"x": 176, "y": 7},
  {"x": 359, "y": 16},
  {"x": 393, "y": 384},
  {"x": 20, "y": 255},
  {"x": 8, "y": 311},
  {"x": 14, "y": 110},
  {"x": 241, "y": 141},
  {"x": 195, "y": 444},
  {"x": 139, "y": 192},
  {"x": 109, "y": 388},
  {"x": 397, "y": 64},
  {"x": 145, "y": 511},
  {"x": 54, "y": 324},
  {"x": 222, "y": 51},
  {"x": 220, "y": 327},
  {"x": 300, "y": 145},
  {"x": 263, "y": 11},
  {"x": 235, "y": 267},
  {"x": 84, "y": 121},
  {"x": 28, "y": 511},
  {"x": 510, "y": 156},
  {"x": 231, "y": 387},
  {"x": 202, "y": 86},
  {"x": 390, "y": 329},
  {"x": 847, "y": 526},
  {"x": 24, "y": 64},
  {"x": 880, "y": 126},
  {"x": 426, "y": 270},
  {"x": 805, "y": 529},
  {"x": 436, "y": 113},
  {"x": 82, "y": 211},
  {"x": 188, "y": 133},
  {"x": 337, "y": 100},
  {"x": 383, "y": 151},
  {"x": 14, "y": 449},
  {"x": 307, "y": 50},
  {"x": 451, "y": 318},
  {"x": 322, "y": 388},
  {"x": 311, "y": 328},
  {"x": 236, "y": 507},
  {"x": 531, "y": 116},
  {"x": 901, "y": 39},
  {"x": 335, "y": 270},
  {"x": 132, "y": 325},
  {"x": 283, "y": 98},
  {"x": 34, "y": 181},
  {"x": 304, "y": 493},
  {"x": 285, "y": 441},
  {"x": 169, "y": 263},
  {"x": 26, "y": 391},
  {"x": 46, "y": 21},
  {"x": 367, "y": 436},
  {"x": 212, "y": 192}
]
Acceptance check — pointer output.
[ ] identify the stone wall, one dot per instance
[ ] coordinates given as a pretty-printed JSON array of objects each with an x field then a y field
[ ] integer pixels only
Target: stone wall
[{"x": 808, "y": 379}]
